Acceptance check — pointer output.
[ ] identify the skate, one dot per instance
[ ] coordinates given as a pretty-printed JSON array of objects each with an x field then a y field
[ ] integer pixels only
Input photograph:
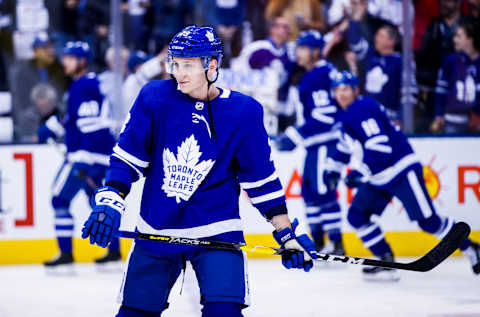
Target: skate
[
  {"x": 62, "y": 264},
  {"x": 473, "y": 254},
  {"x": 338, "y": 248},
  {"x": 380, "y": 274},
  {"x": 111, "y": 262}
]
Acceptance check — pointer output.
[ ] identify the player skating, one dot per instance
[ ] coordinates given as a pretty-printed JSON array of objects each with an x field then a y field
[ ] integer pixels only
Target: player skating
[
  {"x": 394, "y": 170},
  {"x": 89, "y": 143},
  {"x": 196, "y": 145},
  {"x": 318, "y": 136}
]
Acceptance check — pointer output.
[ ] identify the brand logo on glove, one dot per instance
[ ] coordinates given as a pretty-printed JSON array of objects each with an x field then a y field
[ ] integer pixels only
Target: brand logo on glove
[
  {"x": 110, "y": 201},
  {"x": 286, "y": 238}
]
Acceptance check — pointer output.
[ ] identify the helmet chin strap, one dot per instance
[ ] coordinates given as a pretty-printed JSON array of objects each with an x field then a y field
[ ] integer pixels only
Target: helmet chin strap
[{"x": 210, "y": 113}]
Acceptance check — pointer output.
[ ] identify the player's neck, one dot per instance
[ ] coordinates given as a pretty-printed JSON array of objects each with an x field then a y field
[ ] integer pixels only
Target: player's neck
[
  {"x": 201, "y": 94},
  {"x": 79, "y": 74}
]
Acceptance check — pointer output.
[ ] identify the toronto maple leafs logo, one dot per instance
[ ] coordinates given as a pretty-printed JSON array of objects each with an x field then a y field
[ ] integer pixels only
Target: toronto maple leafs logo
[
  {"x": 184, "y": 173},
  {"x": 210, "y": 36}
]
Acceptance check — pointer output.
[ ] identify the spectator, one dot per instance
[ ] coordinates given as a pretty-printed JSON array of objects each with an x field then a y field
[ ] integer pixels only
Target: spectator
[
  {"x": 169, "y": 17},
  {"x": 474, "y": 7},
  {"x": 139, "y": 28},
  {"x": 229, "y": 16},
  {"x": 437, "y": 39},
  {"x": 360, "y": 34},
  {"x": 42, "y": 68},
  {"x": 271, "y": 54},
  {"x": 301, "y": 14},
  {"x": 45, "y": 104},
  {"x": 383, "y": 78},
  {"x": 83, "y": 20},
  {"x": 458, "y": 85}
]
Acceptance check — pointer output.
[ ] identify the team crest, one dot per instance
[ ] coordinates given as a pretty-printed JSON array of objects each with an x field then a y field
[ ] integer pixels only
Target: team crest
[
  {"x": 185, "y": 172},
  {"x": 210, "y": 36}
]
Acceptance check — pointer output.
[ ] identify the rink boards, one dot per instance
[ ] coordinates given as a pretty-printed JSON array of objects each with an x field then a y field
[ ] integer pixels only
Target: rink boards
[{"x": 451, "y": 170}]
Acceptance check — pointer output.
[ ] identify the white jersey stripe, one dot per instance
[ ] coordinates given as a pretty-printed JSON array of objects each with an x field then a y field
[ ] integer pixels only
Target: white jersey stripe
[
  {"x": 266, "y": 197},
  {"x": 129, "y": 157},
  {"x": 249, "y": 185}
]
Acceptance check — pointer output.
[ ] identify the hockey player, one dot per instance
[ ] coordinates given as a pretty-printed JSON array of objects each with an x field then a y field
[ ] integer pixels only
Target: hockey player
[
  {"x": 197, "y": 145},
  {"x": 318, "y": 136},
  {"x": 394, "y": 171},
  {"x": 89, "y": 142}
]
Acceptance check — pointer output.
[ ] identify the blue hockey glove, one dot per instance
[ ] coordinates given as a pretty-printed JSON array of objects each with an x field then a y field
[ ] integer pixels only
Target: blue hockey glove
[
  {"x": 331, "y": 179},
  {"x": 354, "y": 179},
  {"x": 301, "y": 248},
  {"x": 104, "y": 221},
  {"x": 284, "y": 143},
  {"x": 44, "y": 133}
]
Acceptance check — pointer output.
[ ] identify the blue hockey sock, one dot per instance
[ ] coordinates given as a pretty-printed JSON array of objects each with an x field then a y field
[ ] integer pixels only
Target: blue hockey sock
[
  {"x": 381, "y": 248},
  {"x": 221, "y": 310},
  {"x": 334, "y": 235},
  {"x": 65, "y": 244},
  {"x": 114, "y": 245},
  {"x": 317, "y": 231},
  {"x": 125, "y": 311}
]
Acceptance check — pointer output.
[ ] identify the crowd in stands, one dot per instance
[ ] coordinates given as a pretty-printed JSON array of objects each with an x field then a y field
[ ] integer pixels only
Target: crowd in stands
[{"x": 363, "y": 36}]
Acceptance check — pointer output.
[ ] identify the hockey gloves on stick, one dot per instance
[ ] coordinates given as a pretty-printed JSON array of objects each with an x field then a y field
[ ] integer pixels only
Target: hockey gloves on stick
[
  {"x": 354, "y": 179},
  {"x": 287, "y": 239},
  {"x": 104, "y": 221}
]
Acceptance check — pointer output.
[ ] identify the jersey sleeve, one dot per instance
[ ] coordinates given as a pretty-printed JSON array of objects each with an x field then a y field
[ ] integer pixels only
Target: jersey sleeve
[
  {"x": 256, "y": 170},
  {"x": 131, "y": 155}
]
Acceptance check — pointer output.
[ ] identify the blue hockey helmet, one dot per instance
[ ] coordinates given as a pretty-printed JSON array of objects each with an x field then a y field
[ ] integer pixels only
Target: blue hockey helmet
[
  {"x": 78, "y": 49},
  {"x": 345, "y": 78},
  {"x": 137, "y": 58},
  {"x": 311, "y": 38},
  {"x": 194, "y": 41}
]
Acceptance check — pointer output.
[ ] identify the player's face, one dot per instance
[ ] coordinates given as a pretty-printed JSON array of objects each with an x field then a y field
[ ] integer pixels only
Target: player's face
[
  {"x": 345, "y": 95},
  {"x": 304, "y": 56},
  {"x": 70, "y": 64},
  {"x": 189, "y": 74}
]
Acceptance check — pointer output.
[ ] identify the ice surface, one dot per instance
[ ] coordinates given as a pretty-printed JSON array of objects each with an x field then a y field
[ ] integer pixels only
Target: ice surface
[{"x": 337, "y": 290}]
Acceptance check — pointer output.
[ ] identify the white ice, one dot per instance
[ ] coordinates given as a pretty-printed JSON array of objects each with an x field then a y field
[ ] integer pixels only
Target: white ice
[{"x": 337, "y": 290}]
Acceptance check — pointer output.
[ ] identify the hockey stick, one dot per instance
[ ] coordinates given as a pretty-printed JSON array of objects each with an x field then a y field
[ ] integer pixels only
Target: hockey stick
[{"x": 434, "y": 257}]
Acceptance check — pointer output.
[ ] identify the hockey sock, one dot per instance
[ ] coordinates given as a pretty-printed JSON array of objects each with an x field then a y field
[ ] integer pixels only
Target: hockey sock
[
  {"x": 373, "y": 239},
  {"x": 221, "y": 310},
  {"x": 334, "y": 235},
  {"x": 114, "y": 245},
  {"x": 65, "y": 244}
]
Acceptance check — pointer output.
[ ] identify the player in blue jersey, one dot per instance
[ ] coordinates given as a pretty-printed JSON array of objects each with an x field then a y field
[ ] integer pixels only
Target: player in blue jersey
[
  {"x": 196, "y": 145},
  {"x": 89, "y": 143},
  {"x": 394, "y": 171},
  {"x": 318, "y": 136}
]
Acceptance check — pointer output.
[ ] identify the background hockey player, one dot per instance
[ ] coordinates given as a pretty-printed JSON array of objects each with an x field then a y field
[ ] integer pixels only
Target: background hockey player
[
  {"x": 394, "y": 171},
  {"x": 318, "y": 136},
  {"x": 196, "y": 144},
  {"x": 89, "y": 142}
]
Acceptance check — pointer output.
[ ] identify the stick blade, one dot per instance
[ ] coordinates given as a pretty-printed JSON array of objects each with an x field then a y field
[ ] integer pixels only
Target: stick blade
[{"x": 444, "y": 249}]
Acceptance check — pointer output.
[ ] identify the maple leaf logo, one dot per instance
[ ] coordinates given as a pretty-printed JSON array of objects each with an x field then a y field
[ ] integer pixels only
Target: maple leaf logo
[
  {"x": 184, "y": 173},
  {"x": 210, "y": 36}
]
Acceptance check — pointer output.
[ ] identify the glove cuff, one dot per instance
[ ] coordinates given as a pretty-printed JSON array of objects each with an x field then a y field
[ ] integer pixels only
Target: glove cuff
[
  {"x": 283, "y": 236},
  {"x": 110, "y": 197}
]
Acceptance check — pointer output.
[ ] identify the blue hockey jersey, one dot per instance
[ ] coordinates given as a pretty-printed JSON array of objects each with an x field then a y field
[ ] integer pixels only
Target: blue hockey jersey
[
  {"x": 458, "y": 86},
  {"x": 87, "y": 123},
  {"x": 319, "y": 108},
  {"x": 384, "y": 149},
  {"x": 193, "y": 182}
]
